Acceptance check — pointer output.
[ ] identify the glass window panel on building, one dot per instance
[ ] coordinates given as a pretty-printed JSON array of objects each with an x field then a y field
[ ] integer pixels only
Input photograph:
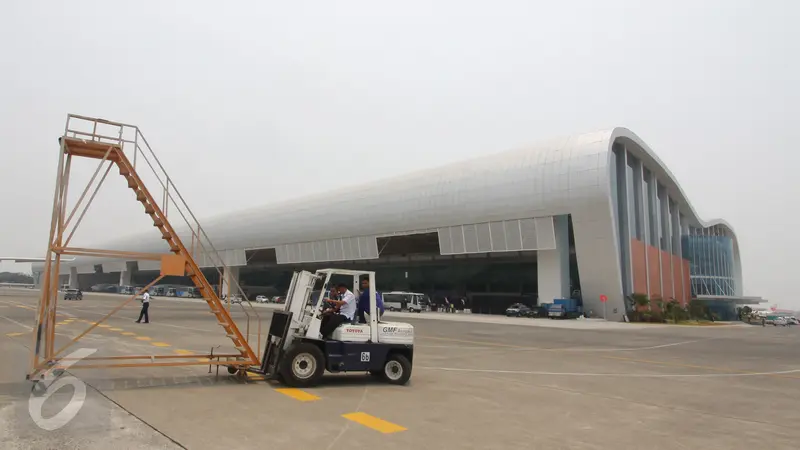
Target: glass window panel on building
[{"x": 710, "y": 258}]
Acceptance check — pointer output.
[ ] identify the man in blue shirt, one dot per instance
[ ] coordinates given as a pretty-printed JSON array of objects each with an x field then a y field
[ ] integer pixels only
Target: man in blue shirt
[{"x": 363, "y": 301}]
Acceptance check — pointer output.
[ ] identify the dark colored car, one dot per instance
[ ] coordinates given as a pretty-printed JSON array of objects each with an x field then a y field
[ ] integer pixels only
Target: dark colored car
[
  {"x": 518, "y": 310},
  {"x": 73, "y": 294}
]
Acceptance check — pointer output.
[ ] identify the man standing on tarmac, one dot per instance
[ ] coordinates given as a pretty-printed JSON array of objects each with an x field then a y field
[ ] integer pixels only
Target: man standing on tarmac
[
  {"x": 145, "y": 307},
  {"x": 346, "y": 311}
]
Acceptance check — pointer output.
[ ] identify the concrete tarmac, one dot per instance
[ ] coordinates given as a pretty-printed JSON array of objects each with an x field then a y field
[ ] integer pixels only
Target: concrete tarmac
[{"x": 475, "y": 385}]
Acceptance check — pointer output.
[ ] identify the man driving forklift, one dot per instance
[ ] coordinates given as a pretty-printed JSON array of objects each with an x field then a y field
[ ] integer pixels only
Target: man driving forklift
[{"x": 343, "y": 310}]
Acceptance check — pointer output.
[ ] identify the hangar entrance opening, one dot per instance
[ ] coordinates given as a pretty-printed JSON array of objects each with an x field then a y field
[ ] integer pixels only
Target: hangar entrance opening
[{"x": 488, "y": 282}]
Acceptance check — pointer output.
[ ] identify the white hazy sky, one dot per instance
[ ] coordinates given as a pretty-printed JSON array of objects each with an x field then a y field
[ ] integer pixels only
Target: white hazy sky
[{"x": 249, "y": 102}]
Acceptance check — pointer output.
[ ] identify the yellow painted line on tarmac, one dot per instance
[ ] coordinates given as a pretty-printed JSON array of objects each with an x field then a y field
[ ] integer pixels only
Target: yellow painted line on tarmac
[
  {"x": 255, "y": 377},
  {"x": 14, "y": 334},
  {"x": 115, "y": 329},
  {"x": 143, "y": 338},
  {"x": 104, "y": 326},
  {"x": 160, "y": 344},
  {"x": 374, "y": 422},
  {"x": 129, "y": 333},
  {"x": 181, "y": 351},
  {"x": 298, "y": 394},
  {"x": 205, "y": 360}
]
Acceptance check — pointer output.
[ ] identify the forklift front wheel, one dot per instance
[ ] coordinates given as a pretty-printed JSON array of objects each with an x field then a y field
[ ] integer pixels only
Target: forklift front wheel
[
  {"x": 397, "y": 369},
  {"x": 232, "y": 370},
  {"x": 303, "y": 365}
]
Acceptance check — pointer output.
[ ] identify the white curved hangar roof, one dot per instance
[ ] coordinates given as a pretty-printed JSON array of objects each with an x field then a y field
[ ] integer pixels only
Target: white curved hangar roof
[{"x": 561, "y": 176}]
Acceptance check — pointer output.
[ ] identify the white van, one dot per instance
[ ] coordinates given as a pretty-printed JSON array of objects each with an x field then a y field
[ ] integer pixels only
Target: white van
[{"x": 399, "y": 301}]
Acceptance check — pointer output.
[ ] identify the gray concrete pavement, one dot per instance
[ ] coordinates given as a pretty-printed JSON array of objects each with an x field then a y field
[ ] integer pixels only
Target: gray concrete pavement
[{"x": 475, "y": 385}]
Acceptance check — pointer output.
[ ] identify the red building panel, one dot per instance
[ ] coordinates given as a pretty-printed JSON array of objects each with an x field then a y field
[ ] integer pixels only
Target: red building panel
[
  {"x": 677, "y": 278},
  {"x": 654, "y": 271},
  {"x": 667, "y": 287},
  {"x": 639, "y": 266},
  {"x": 687, "y": 280}
]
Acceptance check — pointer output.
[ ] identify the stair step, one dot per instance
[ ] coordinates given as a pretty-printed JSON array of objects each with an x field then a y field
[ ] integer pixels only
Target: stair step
[
  {"x": 148, "y": 208},
  {"x": 124, "y": 171},
  {"x": 132, "y": 183},
  {"x": 157, "y": 222},
  {"x": 140, "y": 196}
]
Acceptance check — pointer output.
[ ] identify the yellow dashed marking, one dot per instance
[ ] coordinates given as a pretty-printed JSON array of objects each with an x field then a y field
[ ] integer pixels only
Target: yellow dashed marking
[
  {"x": 160, "y": 344},
  {"x": 104, "y": 326},
  {"x": 374, "y": 422},
  {"x": 298, "y": 394},
  {"x": 116, "y": 329},
  {"x": 255, "y": 377},
  {"x": 143, "y": 338},
  {"x": 183, "y": 352},
  {"x": 14, "y": 334},
  {"x": 128, "y": 333},
  {"x": 205, "y": 360}
]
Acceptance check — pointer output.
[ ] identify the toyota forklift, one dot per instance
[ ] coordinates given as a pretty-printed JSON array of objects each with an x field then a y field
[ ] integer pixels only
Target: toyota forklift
[{"x": 297, "y": 354}]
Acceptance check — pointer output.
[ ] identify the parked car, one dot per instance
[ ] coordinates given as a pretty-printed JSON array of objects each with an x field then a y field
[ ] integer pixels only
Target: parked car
[
  {"x": 792, "y": 321},
  {"x": 779, "y": 321},
  {"x": 236, "y": 299},
  {"x": 277, "y": 299},
  {"x": 73, "y": 294},
  {"x": 518, "y": 310}
]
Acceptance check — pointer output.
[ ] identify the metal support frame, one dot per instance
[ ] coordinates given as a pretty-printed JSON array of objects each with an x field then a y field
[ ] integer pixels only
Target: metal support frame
[{"x": 77, "y": 142}]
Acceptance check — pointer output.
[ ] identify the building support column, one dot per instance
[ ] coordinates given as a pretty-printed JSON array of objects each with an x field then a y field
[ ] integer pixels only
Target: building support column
[
  {"x": 623, "y": 224},
  {"x": 126, "y": 276},
  {"x": 230, "y": 281},
  {"x": 73, "y": 278},
  {"x": 552, "y": 266}
]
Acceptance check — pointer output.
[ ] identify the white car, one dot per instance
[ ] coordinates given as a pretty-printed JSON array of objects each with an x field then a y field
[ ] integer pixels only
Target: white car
[
  {"x": 262, "y": 299},
  {"x": 779, "y": 321}
]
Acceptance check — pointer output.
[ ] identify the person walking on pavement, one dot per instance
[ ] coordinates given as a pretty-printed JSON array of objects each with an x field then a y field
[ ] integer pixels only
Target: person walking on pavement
[{"x": 145, "y": 308}]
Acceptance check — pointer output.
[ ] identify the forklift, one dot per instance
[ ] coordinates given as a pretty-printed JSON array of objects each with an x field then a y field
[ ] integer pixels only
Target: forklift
[{"x": 297, "y": 355}]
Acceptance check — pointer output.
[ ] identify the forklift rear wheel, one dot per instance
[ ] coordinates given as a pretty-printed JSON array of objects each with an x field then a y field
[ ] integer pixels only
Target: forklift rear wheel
[
  {"x": 397, "y": 369},
  {"x": 303, "y": 365},
  {"x": 232, "y": 370}
]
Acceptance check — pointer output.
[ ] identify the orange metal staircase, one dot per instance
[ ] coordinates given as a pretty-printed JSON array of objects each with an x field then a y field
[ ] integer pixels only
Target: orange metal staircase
[
  {"x": 114, "y": 153},
  {"x": 122, "y": 145}
]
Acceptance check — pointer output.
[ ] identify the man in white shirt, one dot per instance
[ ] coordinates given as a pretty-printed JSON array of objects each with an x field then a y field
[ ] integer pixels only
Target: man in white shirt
[
  {"x": 145, "y": 307},
  {"x": 346, "y": 311}
]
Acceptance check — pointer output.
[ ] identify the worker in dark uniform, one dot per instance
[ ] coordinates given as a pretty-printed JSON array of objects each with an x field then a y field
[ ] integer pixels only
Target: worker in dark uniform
[
  {"x": 363, "y": 302},
  {"x": 145, "y": 308}
]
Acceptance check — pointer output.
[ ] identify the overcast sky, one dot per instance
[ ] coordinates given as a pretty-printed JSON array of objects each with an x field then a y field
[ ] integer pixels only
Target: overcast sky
[{"x": 252, "y": 102}]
